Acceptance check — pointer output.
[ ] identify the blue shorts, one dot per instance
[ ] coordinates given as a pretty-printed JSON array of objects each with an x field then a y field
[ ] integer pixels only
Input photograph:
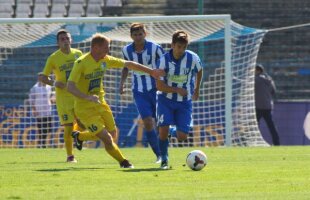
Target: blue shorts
[
  {"x": 171, "y": 112},
  {"x": 146, "y": 103}
]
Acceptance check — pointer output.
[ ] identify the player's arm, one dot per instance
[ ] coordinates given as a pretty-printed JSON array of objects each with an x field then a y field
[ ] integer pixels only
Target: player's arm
[
  {"x": 71, "y": 87},
  {"x": 47, "y": 80},
  {"x": 162, "y": 86},
  {"x": 123, "y": 79},
  {"x": 197, "y": 85},
  {"x": 156, "y": 73}
]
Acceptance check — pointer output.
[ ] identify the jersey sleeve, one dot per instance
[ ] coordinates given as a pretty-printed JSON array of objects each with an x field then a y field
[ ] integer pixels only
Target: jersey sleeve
[
  {"x": 48, "y": 66},
  {"x": 76, "y": 71},
  {"x": 159, "y": 51},
  {"x": 114, "y": 62},
  {"x": 198, "y": 65},
  {"x": 161, "y": 64},
  {"x": 125, "y": 53}
]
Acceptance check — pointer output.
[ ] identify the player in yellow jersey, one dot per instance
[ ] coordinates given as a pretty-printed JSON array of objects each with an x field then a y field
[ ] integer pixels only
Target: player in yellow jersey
[
  {"x": 85, "y": 83},
  {"x": 60, "y": 63}
]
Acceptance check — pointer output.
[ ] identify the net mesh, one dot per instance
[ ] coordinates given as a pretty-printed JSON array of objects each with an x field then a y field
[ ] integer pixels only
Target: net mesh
[{"x": 24, "y": 49}]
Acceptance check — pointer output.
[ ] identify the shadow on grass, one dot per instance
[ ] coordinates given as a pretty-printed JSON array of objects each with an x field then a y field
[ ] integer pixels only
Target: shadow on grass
[
  {"x": 23, "y": 162},
  {"x": 146, "y": 170},
  {"x": 69, "y": 169}
]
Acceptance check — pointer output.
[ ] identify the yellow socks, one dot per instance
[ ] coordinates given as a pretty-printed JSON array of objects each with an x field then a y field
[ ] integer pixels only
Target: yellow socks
[
  {"x": 115, "y": 152},
  {"x": 68, "y": 140}
]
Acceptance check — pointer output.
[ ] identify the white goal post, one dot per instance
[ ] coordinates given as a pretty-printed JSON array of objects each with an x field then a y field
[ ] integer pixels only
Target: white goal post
[{"x": 224, "y": 115}]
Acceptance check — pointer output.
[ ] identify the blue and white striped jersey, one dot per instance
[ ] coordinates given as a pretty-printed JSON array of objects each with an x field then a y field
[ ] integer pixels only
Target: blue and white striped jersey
[
  {"x": 181, "y": 73},
  {"x": 142, "y": 82}
]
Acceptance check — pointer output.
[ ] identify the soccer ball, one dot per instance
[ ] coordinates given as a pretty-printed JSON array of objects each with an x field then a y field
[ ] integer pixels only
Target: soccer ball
[{"x": 196, "y": 160}]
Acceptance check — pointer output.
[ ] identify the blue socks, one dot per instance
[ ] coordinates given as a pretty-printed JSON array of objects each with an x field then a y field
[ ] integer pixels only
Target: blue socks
[
  {"x": 153, "y": 141},
  {"x": 163, "y": 146}
]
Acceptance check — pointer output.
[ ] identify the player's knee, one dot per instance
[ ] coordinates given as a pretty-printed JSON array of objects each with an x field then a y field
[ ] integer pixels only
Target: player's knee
[
  {"x": 149, "y": 123},
  {"x": 181, "y": 136},
  {"x": 105, "y": 137}
]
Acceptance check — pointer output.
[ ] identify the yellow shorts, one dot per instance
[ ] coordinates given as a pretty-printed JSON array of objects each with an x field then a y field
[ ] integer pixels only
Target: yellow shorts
[
  {"x": 65, "y": 106},
  {"x": 96, "y": 117}
]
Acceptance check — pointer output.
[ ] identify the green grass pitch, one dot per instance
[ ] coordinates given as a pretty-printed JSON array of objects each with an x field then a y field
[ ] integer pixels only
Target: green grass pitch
[{"x": 231, "y": 173}]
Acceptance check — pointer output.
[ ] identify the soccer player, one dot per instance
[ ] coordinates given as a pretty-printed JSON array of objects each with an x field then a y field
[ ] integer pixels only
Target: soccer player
[
  {"x": 85, "y": 83},
  {"x": 176, "y": 91},
  {"x": 60, "y": 63},
  {"x": 143, "y": 85}
]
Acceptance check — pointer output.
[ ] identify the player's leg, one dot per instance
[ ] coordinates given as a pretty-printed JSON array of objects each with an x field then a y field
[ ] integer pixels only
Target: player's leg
[
  {"x": 45, "y": 130},
  {"x": 69, "y": 142},
  {"x": 113, "y": 149},
  {"x": 163, "y": 145},
  {"x": 66, "y": 120},
  {"x": 49, "y": 129},
  {"x": 165, "y": 116},
  {"x": 80, "y": 134},
  {"x": 272, "y": 128},
  {"x": 183, "y": 119},
  {"x": 109, "y": 122},
  {"x": 146, "y": 105},
  {"x": 66, "y": 117},
  {"x": 96, "y": 125},
  {"x": 39, "y": 126},
  {"x": 259, "y": 114}
]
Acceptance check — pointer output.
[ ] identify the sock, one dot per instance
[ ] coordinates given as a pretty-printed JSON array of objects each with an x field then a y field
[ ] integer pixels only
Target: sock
[
  {"x": 115, "y": 152},
  {"x": 86, "y": 135},
  {"x": 153, "y": 141},
  {"x": 163, "y": 146},
  {"x": 68, "y": 140}
]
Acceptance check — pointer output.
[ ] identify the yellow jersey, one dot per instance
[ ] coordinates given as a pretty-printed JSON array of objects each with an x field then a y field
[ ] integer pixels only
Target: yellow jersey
[
  {"x": 61, "y": 65},
  {"x": 88, "y": 75}
]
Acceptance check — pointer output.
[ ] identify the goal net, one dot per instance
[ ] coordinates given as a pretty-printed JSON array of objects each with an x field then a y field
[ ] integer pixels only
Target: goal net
[{"x": 223, "y": 115}]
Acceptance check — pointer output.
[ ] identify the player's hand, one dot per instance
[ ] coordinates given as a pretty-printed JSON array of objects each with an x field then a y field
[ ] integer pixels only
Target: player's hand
[
  {"x": 182, "y": 92},
  {"x": 93, "y": 98},
  {"x": 60, "y": 84},
  {"x": 157, "y": 73}
]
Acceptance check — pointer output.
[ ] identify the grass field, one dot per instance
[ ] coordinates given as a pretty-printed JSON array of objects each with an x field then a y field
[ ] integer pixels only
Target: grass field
[{"x": 231, "y": 173}]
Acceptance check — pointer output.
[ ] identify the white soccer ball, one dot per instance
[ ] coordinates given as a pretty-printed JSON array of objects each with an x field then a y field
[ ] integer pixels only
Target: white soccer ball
[{"x": 196, "y": 160}]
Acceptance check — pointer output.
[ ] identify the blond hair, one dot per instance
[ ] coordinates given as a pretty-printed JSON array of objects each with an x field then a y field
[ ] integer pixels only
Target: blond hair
[{"x": 99, "y": 39}]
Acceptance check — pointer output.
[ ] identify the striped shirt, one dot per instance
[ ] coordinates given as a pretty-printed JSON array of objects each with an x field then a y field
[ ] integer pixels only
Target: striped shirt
[
  {"x": 142, "y": 82},
  {"x": 181, "y": 73}
]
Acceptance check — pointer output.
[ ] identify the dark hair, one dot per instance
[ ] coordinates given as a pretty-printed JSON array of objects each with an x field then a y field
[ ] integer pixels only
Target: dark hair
[
  {"x": 137, "y": 27},
  {"x": 180, "y": 36},
  {"x": 61, "y": 31},
  {"x": 259, "y": 67}
]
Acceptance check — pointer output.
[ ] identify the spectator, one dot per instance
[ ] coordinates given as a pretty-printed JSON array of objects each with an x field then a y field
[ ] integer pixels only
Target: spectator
[
  {"x": 40, "y": 97},
  {"x": 264, "y": 92}
]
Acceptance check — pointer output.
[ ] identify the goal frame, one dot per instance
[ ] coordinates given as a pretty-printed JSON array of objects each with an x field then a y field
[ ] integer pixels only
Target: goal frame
[{"x": 226, "y": 18}]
